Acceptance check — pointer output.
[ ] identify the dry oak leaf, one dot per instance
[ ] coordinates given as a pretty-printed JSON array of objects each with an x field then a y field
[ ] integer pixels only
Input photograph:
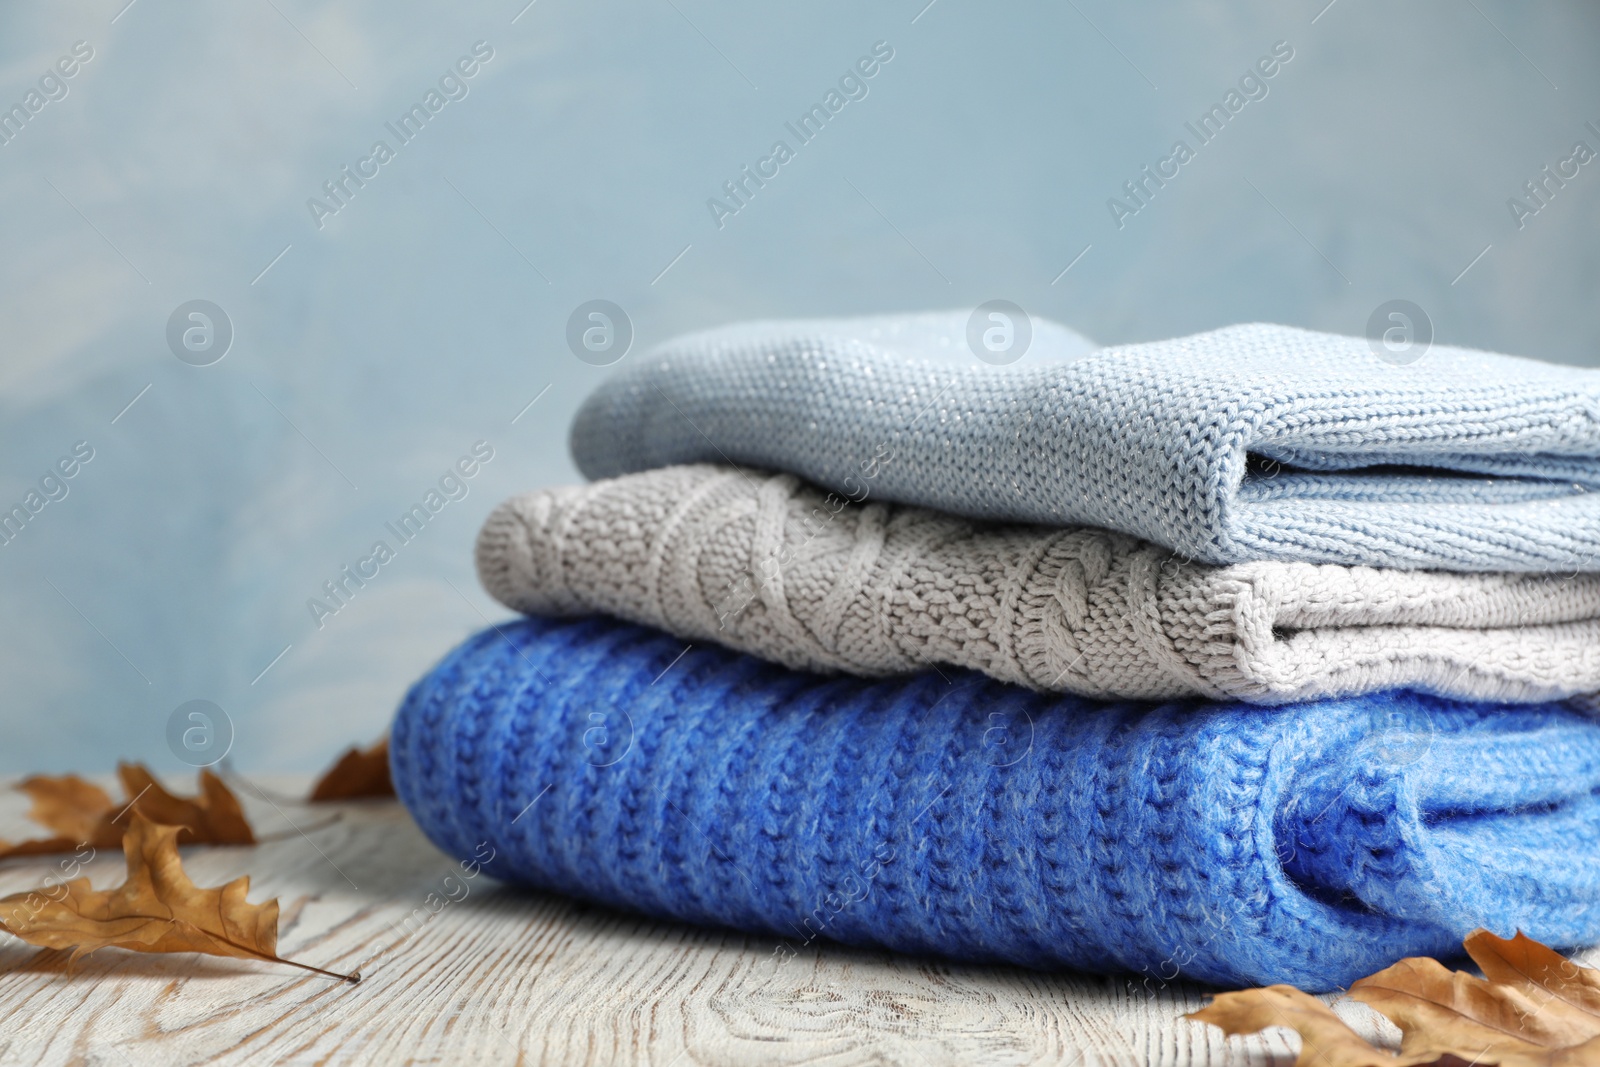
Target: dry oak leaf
[
  {"x": 81, "y": 813},
  {"x": 158, "y": 909},
  {"x": 1535, "y": 1009},
  {"x": 214, "y": 817},
  {"x": 359, "y": 773},
  {"x": 1324, "y": 1037},
  {"x": 69, "y": 805}
]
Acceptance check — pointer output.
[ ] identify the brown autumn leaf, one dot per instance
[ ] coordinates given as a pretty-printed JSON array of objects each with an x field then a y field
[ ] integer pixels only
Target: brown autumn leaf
[
  {"x": 1525, "y": 963},
  {"x": 69, "y": 805},
  {"x": 157, "y": 909},
  {"x": 359, "y": 773},
  {"x": 1324, "y": 1037},
  {"x": 212, "y": 818},
  {"x": 80, "y": 812},
  {"x": 1535, "y": 1009},
  {"x": 1511, "y": 1020},
  {"x": 66, "y": 804}
]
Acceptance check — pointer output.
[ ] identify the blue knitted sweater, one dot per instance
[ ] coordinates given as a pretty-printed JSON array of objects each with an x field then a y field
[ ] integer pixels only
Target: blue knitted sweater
[
  {"x": 1247, "y": 443},
  {"x": 1311, "y": 844}
]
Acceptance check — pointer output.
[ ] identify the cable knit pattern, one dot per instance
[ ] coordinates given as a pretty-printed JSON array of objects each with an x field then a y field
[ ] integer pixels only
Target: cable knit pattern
[
  {"x": 768, "y": 565},
  {"x": 980, "y": 821},
  {"x": 1252, "y": 442}
]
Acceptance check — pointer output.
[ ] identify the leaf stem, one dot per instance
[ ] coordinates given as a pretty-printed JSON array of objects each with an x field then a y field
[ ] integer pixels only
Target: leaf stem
[{"x": 353, "y": 978}]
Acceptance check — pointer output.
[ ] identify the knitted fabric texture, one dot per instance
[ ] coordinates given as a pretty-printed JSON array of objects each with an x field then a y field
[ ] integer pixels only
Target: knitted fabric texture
[
  {"x": 767, "y": 565},
  {"x": 980, "y": 821},
  {"x": 1247, "y": 443}
]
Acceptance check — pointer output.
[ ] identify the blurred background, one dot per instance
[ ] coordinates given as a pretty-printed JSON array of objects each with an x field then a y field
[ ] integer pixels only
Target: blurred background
[{"x": 370, "y": 336}]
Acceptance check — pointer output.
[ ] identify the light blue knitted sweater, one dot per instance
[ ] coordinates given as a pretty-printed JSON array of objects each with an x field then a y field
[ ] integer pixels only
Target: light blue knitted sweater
[{"x": 1251, "y": 442}]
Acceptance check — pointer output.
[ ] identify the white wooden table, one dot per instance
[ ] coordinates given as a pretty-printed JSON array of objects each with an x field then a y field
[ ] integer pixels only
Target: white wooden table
[{"x": 506, "y": 976}]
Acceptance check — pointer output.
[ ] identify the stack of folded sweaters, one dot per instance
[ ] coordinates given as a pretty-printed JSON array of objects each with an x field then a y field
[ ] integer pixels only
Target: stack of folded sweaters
[{"x": 1247, "y": 656}]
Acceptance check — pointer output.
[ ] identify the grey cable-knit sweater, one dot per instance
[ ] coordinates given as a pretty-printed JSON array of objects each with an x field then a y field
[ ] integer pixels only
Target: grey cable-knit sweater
[{"x": 769, "y": 565}]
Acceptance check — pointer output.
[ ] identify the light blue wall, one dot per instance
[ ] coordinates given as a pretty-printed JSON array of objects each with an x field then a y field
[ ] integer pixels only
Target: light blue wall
[{"x": 425, "y": 314}]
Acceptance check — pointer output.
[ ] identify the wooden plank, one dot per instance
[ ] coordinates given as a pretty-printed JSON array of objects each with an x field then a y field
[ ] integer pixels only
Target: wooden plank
[{"x": 504, "y": 976}]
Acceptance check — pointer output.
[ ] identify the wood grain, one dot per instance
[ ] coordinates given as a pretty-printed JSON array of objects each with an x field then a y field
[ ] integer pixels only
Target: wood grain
[{"x": 504, "y": 976}]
